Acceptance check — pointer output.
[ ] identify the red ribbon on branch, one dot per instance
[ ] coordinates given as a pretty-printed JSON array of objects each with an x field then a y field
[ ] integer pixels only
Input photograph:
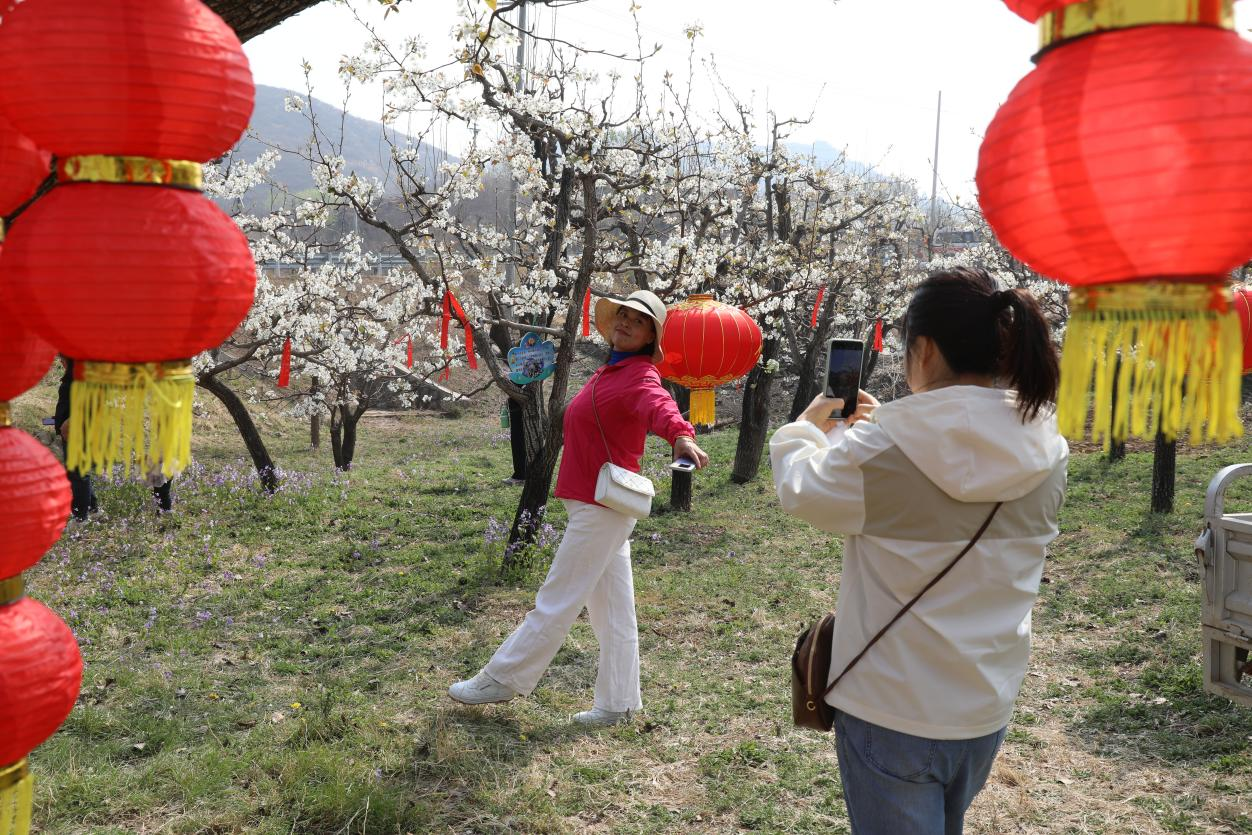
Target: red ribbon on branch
[
  {"x": 587, "y": 313},
  {"x": 284, "y": 368},
  {"x": 452, "y": 306},
  {"x": 821, "y": 293},
  {"x": 408, "y": 355},
  {"x": 878, "y": 336}
]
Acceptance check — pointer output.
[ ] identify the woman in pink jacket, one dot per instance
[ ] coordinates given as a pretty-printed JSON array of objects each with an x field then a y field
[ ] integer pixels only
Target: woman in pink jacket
[{"x": 592, "y": 564}]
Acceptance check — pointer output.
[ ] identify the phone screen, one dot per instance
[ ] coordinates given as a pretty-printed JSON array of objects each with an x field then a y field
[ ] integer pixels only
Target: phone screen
[{"x": 843, "y": 371}]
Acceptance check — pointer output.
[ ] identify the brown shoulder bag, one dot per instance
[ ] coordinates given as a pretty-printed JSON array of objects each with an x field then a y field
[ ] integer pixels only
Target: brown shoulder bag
[{"x": 810, "y": 662}]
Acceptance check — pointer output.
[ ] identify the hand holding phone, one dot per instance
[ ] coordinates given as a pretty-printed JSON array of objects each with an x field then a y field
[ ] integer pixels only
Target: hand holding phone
[{"x": 844, "y": 359}]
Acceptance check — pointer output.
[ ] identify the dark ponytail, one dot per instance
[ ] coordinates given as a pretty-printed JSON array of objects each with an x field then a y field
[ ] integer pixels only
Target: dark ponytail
[{"x": 980, "y": 329}]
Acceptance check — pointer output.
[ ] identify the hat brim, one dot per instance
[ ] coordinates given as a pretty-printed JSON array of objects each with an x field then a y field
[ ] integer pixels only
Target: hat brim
[{"x": 606, "y": 309}]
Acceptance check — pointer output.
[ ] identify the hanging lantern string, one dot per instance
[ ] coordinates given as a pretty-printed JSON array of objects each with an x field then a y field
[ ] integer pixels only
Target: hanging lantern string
[{"x": 98, "y": 168}]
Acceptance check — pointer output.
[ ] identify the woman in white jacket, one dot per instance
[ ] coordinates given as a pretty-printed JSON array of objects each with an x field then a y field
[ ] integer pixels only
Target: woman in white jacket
[{"x": 919, "y": 720}]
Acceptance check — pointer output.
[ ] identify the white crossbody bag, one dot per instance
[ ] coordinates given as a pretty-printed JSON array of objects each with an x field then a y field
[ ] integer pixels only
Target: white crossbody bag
[{"x": 617, "y": 488}]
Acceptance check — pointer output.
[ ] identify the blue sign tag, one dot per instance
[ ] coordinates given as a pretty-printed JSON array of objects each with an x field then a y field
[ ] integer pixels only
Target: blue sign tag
[{"x": 532, "y": 360}]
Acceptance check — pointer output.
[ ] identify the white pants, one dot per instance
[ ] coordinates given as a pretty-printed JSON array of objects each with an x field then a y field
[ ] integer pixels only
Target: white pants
[{"x": 591, "y": 568}]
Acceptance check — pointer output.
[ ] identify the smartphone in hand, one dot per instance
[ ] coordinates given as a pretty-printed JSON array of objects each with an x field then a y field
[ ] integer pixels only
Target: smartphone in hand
[
  {"x": 844, "y": 359},
  {"x": 683, "y": 465}
]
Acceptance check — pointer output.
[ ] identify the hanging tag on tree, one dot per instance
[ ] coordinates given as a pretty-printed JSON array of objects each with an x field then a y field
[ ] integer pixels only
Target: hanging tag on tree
[
  {"x": 587, "y": 313},
  {"x": 878, "y": 337}
]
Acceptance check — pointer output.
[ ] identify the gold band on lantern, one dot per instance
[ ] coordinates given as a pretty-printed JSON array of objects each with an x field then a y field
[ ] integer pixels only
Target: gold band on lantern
[
  {"x": 12, "y": 589},
  {"x": 96, "y": 168},
  {"x": 1078, "y": 19},
  {"x": 6, "y": 414},
  {"x": 128, "y": 374},
  {"x": 11, "y": 775}
]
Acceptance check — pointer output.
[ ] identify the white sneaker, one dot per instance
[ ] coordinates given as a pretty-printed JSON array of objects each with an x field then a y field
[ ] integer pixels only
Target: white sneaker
[
  {"x": 600, "y": 717},
  {"x": 482, "y": 689}
]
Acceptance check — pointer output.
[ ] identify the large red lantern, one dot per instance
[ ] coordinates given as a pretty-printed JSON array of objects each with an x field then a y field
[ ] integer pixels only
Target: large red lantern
[
  {"x": 165, "y": 79},
  {"x": 40, "y": 675},
  {"x": 34, "y": 501},
  {"x": 1115, "y": 167},
  {"x": 707, "y": 344},
  {"x": 124, "y": 266}
]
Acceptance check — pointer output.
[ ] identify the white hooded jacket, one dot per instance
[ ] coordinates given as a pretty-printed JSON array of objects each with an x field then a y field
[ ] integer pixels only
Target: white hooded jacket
[{"x": 910, "y": 489}]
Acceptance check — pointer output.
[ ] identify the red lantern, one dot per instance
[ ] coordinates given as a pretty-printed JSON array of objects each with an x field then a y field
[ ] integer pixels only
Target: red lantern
[
  {"x": 707, "y": 344},
  {"x": 166, "y": 79},
  {"x": 129, "y": 280},
  {"x": 1122, "y": 155},
  {"x": 40, "y": 673},
  {"x": 1116, "y": 167},
  {"x": 127, "y": 274},
  {"x": 34, "y": 502},
  {"x": 22, "y": 168},
  {"x": 1032, "y": 10},
  {"x": 1243, "y": 307},
  {"x": 24, "y": 359}
]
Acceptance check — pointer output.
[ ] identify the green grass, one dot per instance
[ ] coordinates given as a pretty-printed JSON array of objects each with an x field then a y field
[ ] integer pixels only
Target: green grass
[{"x": 278, "y": 664}]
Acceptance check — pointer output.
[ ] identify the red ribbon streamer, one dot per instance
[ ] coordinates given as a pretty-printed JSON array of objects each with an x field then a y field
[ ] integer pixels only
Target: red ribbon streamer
[
  {"x": 821, "y": 292},
  {"x": 284, "y": 368},
  {"x": 878, "y": 336},
  {"x": 408, "y": 358},
  {"x": 587, "y": 313},
  {"x": 452, "y": 306}
]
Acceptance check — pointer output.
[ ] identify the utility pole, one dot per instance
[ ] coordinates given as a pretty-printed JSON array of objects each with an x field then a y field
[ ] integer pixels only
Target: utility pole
[
  {"x": 934, "y": 180},
  {"x": 510, "y": 269}
]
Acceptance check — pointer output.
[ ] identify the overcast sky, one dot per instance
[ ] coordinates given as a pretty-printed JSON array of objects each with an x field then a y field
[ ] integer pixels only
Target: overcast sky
[{"x": 870, "y": 71}]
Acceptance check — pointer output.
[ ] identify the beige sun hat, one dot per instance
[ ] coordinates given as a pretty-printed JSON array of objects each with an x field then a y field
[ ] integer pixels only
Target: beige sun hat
[{"x": 642, "y": 300}]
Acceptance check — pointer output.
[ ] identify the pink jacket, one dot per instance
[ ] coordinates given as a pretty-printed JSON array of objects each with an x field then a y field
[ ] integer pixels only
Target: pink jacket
[{"x": 631, "y": 403}]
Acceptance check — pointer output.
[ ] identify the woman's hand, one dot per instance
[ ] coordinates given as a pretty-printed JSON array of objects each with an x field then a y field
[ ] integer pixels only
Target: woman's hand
[
  {"x": 685, "y": 447},
  {"x": 818, "y": 412},
  {"x": 865, "y": 406}
]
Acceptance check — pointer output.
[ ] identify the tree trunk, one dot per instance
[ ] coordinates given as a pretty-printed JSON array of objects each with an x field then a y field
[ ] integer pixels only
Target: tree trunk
[
  {"x": 265, "y": 468},
  {"x": 343, "y": 424},
  {"x": 336, "y": 438},
  {"x": 1164, "y": 461},
  {"x": 755, "y": 424},
  {"x": 250, "y": 18},
  {"x": 809, "y": 386},
  {"x": 543, "y": 445},
  {"x": 315, "y": 431}
]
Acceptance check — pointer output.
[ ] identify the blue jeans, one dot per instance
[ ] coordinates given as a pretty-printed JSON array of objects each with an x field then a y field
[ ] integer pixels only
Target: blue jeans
[{"x": 898, "y": 784}]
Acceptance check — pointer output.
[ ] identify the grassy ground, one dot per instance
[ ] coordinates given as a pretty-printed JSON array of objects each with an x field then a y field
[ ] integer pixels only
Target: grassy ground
[{"x": 278, "y": 664}]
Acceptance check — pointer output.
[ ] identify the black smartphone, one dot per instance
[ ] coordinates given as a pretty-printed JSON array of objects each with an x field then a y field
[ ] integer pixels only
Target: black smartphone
[{"x": 844, "y": 359}]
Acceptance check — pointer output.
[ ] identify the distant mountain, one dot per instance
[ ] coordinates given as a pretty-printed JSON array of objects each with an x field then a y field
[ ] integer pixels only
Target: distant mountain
[{"x": 364, "y": 147}]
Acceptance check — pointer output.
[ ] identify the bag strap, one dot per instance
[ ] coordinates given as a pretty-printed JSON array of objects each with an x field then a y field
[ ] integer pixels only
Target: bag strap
[
  {"x": 986, "y": 524},
  {"x": 597, "y": 414}
]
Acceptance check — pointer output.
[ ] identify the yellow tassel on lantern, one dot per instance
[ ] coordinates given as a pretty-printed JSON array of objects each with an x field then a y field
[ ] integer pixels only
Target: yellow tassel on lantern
[
  {"x": 108, "y": 402},
  {"x": 1152, "y": 356},
  {"x": 703, "y": 407},
  {"x": 16, "y": 799}
]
